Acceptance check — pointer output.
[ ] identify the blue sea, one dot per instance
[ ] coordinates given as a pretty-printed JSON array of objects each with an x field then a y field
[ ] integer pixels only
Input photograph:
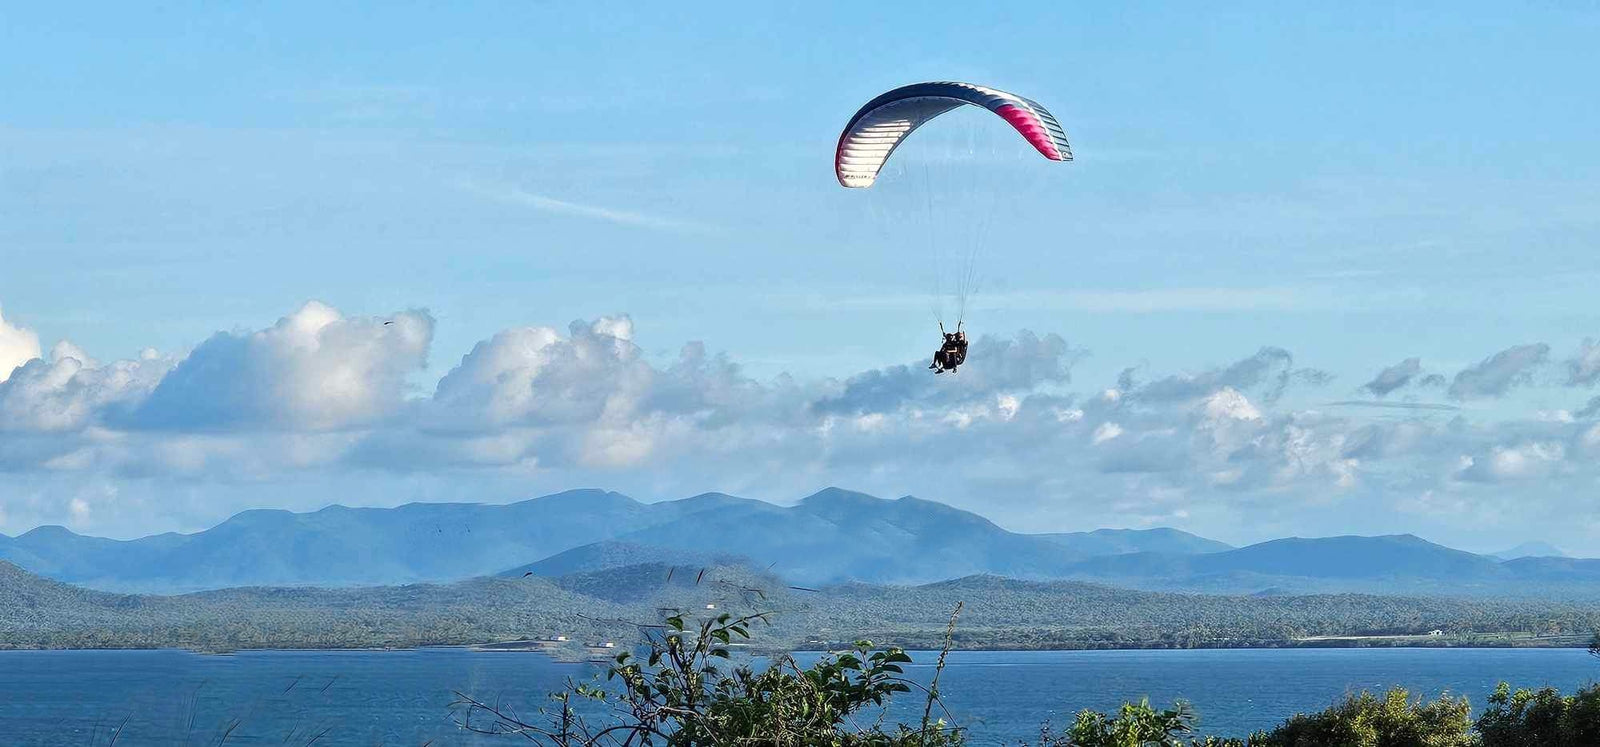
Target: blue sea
[{"x": 403, "y": 697}]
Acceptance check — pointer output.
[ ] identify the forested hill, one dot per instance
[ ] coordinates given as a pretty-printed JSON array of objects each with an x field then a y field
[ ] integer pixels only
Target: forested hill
[{"x": 608, "y": 605}]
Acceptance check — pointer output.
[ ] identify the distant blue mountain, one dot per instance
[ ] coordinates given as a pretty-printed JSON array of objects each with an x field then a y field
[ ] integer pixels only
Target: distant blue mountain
[
  {"x": 1556, "y": 570},
  {"x": 833, "y": 536},
  {"x": 839, "y": 535},
  {"x": 336, "y": 546},
  {"x": 1388, "y": 564}
]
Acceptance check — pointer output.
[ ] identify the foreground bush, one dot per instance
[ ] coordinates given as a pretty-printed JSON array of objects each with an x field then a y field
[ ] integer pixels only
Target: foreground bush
[
  {"x": 1544, "y": 718},
  {"x": 684, "y": 692},
  {"x": 1135, "y": 725},
  {"x": 1366, "y": 720}
]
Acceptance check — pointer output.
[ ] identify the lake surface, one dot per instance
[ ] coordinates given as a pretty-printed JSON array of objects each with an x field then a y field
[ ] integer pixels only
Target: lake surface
[{"x": 403, "y": 697}]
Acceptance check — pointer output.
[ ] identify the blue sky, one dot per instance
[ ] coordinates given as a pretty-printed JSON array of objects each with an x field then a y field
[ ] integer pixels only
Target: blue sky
[{"x": 1357, "y": 185}]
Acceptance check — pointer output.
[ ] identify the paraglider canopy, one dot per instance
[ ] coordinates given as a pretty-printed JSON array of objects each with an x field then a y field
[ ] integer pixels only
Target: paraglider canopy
[
  {"x": 958, "y": 188},
  {"x": 884, "y": 123}
]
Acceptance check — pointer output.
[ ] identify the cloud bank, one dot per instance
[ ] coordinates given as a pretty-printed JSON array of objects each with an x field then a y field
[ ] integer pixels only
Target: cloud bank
[{"x": 321, "y": 398}]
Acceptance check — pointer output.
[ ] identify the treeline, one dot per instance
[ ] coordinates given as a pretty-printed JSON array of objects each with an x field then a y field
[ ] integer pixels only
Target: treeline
[
  {"x": 1006, "y": 613},
  {"x": 610, "y": 605}
]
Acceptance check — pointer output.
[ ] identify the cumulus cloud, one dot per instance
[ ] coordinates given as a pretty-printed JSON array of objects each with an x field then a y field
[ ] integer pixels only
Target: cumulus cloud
[
  {"x": 537, "y": 376},
  {"x": 17, "y": 346},
  {"x": 71, "y": 391},
  {"x": 1498, "y": 373},
  {"x": 1394, "y": 377},
  {"x": 314, "y": 369}
]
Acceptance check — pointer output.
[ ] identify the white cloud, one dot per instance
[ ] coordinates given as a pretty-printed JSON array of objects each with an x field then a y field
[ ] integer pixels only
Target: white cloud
[
  {"x": 536, "y": 376},
  {"x": 1228, "y": 404},
  {"x": 17, "y": 346},
  {"x": 314, "y": 369},
  {"x": 71, "y": 392},
  {"x": 1520, "y": 462}
]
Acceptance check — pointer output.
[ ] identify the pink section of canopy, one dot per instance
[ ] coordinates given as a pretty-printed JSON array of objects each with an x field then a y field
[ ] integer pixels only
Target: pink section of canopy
[{"x": 1032, "y": 129}]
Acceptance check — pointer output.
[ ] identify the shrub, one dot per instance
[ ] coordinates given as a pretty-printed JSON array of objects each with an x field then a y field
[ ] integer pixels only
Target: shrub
[
  {"x": 1544, "y": 718},
  {"x": 1365, "y": 720},
  {"x": 1135, "y": 725},
  {"x": 683, "y": 690}
]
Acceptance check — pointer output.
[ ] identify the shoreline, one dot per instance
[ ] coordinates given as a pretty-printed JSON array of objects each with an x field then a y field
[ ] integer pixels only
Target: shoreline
[{"x": 1352, "y": 642}]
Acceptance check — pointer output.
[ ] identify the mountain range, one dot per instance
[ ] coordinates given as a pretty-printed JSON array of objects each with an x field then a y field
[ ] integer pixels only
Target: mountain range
[{"x": 830, "y": 537}]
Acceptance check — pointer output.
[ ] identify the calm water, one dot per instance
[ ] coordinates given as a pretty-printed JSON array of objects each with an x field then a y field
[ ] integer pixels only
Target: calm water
[{"x": 402, "y": 698}]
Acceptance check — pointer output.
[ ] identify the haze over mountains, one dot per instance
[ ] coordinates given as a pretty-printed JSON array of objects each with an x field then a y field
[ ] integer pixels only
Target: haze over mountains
[
  {"x": 1530, "y": 550},
  {"x": 832, "y": 536}
]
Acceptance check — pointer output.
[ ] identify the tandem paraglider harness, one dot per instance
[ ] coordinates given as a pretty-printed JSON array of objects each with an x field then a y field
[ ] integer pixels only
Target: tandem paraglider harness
[{"x": 952, "y": 353}]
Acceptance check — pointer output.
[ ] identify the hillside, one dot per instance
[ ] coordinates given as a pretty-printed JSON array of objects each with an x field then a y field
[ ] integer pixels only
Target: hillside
[
  {"x": 1393, "y": 564},
  {"x": 838, "y": 535},
  {"x": 608, "y": 605},
  {"x": 39, "y": 612},
  {"x": 607, "y": 554}
]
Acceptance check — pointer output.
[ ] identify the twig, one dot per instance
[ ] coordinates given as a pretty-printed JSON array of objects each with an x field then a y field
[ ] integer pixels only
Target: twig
[{"x": 933, "y": 688}]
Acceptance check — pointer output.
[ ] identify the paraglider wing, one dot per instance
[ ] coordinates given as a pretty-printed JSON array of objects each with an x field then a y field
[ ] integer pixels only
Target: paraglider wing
[{"x": 886, "y": 121}]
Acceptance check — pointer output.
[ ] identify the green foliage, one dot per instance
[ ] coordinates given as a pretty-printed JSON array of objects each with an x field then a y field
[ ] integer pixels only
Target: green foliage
[
  {"x": 683, "y": 690},
  {"x": 1366, "y": 720},
  {"x": 1523, "y": 718},
  {"x": 1543, "y": 718},
  {"x": 1135, "y": 725}
]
